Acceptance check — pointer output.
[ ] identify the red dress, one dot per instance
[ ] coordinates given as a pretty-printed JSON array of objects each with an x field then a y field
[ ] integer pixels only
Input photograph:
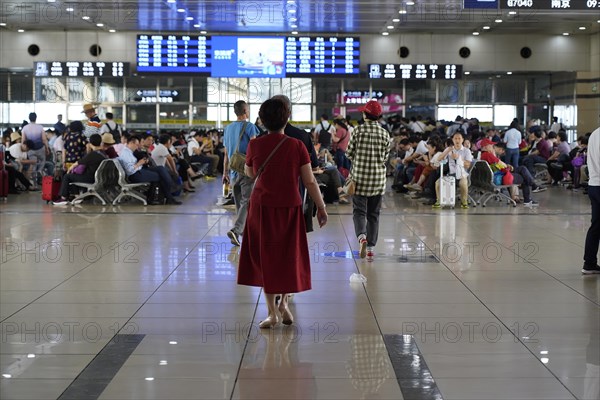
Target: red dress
[{"x": 274, "y": 251}]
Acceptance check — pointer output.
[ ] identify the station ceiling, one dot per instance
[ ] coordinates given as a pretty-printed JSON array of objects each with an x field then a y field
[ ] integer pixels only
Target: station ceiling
[{"x": 284, "y": 16}]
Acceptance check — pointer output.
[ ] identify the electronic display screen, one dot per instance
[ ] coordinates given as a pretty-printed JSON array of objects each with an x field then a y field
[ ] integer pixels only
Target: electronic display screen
[
  {"x": 320, "y": 55},
  {"x": 252, "y": 57},
  {"x": 239, "y": 56},
  {"x": 80, "y": 68},
  {"x": 174, "y": 53},
  {"x": 415, "y": 71}
]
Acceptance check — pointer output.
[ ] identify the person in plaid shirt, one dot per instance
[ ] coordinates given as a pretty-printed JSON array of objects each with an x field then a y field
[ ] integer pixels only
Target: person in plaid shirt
[{"x": 368, "y": 150}]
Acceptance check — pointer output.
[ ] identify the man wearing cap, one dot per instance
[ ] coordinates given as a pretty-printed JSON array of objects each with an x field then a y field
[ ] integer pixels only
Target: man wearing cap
[
  {"x": 368, "y": 150},
  {"x": 93, "y": 124},
  {"x": 521, "y": 175}
]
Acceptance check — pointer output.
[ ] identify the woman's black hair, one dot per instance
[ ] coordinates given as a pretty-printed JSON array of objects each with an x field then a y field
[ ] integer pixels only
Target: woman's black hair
[{"x": 274, "y": 114}]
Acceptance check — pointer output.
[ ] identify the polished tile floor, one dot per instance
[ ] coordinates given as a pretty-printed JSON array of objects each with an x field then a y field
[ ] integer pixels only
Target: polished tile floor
[{"x": 136, "y": 302}]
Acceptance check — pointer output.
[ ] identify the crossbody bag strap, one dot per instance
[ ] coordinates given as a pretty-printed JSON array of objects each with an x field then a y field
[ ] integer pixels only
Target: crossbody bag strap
[
  {"x": 244, "y": 125},
  {"x": 262, "y": 167}
]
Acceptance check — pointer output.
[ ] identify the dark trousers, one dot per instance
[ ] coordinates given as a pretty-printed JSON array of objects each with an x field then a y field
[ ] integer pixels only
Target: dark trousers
[
  {"x": 211, "y": 160},
  {"x": 341, "y": 160},
  {"x": 154, "y": 174},
  {"x": 14, "y": 176},
  {"x": 65, "y": 187},
  {"x": 530, "y": 160},
  {"x": 522, "y": 177},
  {"x": 182, "y": 169},
  {"x": 331, "y": 179},
  {"x": 592, "y": 240},
  {"x": 512, "y": 157},
  {"x": 365, "y": 214}
]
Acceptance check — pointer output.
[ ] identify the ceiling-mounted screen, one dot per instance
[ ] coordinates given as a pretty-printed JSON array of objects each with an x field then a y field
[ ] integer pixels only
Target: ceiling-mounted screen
[
  {"x": 252, "y": 57},
  {"x": 103, "y": 69},
  {"x": 415, "y": 71},
  {"x": 322, "y": 55},
  {"x": 174, "y": 53}
]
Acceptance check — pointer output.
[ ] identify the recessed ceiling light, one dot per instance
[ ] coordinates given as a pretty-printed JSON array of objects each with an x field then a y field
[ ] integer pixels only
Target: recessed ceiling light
[
  {"x": 85, "y": 17},
  {"x": 294, "y": 32},
  {"x": 203, "y": 32},
  {"x": 582, "y": 28},
  {"x": 498, "y": 21},
  {"x": 2, "y": 23},
  {"x": 21, "y": 30},
  {"x": 100, "y": 25},
  {"x": 112, "y": 30},
  {"x": 486, "y": 27},
  {"x": 410, "y": 3},
  {"x": 292, "y": 19},
  {"x": 294, "y": 26},
  {"x": 390, "y": 27},
  {"x": 171, "y": 1},
  {"x": 189, "y": 18},
  {"x": 402, "y": 12},
  {"x": 476, "y": 33},
  {"x": 512, "y": 13},
  {"x": 196, "y": 25},
  {"x": 385, "y": 33},
  {"x": 509, "y": 73},
  {"x": 396, "y": 20},
  {"x": 181, "y": 10},
  {"x": 467, "y": 73},
  {"x": 566, "y": 34},
  {"x": 51, "y": 1},
  {"x": 6, "y": 375},
  {"x": 30, "y": 355},
  {"x": 598, "y": 21},
  {"x": 292, "y": 10},
  {"x": 149, "y": 378},
  {"x": 69, "y": 9}
]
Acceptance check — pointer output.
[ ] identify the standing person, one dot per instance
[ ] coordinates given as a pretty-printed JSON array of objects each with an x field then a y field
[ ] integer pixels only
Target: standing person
[
  {"x": 368, "y": 150},
  {"x": 59, "y": 127},
  {"x": 93, "y": 124},
  {"x": 592, "y": 240},
  {"x": 111, "y": 127},
  {"x": 238, "y": 133},
  {"x": 274, "y": 252},
  {"x": 512, "y": 138},
  {"x": 35, "y": 132}
]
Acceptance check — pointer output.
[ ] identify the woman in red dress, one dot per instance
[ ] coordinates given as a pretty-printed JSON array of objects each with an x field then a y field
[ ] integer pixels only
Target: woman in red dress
[{"x": 274, "y": 252}]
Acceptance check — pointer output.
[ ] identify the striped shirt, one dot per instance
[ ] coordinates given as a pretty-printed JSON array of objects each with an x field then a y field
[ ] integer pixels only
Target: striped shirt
[{"x": 368, "y": 150}]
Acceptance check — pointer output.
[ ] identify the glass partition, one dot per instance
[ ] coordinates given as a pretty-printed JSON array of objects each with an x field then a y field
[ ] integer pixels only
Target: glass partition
[
  {"x": 110, "y": 90},
  {"x": 51, "y": 90}
]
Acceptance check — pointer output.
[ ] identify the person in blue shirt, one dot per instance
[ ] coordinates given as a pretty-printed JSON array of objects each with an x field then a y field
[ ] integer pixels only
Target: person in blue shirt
[
  {"x": 241, "y": 184},
  {"x": 136, "y": 172}
]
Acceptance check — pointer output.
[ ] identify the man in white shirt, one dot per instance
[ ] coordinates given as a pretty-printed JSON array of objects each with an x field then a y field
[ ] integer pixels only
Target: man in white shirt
[
  {"x": 592, "y": 240},
  {"x": 111, "y": 127},
  {"x": 556, "y": 126}
]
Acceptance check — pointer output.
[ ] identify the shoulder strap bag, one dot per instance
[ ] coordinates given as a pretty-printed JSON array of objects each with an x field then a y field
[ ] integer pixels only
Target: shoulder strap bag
[{"x": 238, "y": 160}]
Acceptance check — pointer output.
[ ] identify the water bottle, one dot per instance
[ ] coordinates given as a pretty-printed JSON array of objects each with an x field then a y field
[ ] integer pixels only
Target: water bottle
[{"x": 225, "y": 189}]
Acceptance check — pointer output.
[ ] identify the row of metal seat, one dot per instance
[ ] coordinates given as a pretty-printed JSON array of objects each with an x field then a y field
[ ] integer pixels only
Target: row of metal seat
[{"x": 111, "y": 185}]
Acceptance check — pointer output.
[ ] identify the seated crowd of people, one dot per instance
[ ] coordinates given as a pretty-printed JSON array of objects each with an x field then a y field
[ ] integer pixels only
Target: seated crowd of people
[
  {"x": 170, "y": 162},
  {"x": 534, "y": 157}
]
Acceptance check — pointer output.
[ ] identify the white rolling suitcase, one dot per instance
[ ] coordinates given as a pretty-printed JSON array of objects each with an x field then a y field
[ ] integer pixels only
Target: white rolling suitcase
[{"x": 447, "y": 189}]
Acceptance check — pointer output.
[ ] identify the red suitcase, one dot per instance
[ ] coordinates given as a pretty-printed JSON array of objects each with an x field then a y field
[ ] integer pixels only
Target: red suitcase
[{"x": 50, "y": 188}]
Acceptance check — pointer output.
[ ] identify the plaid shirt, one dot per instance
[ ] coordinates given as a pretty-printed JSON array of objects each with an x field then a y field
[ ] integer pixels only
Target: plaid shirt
[{"x": 368, "y": 150}]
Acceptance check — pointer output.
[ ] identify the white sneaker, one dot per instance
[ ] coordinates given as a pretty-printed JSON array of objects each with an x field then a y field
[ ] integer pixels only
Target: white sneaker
[{"x": 370, "y": 254}]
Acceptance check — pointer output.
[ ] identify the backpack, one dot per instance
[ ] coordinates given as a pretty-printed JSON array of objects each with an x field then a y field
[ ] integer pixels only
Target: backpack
[
  {"x": 324, "y": 137},
  {"x": 114, "y": 132}
]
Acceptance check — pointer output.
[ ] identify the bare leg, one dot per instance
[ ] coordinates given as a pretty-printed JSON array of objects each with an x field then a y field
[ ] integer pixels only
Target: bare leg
[
  {"x": 272, "y": 318},
  {"x": 286, "y": 315}
]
